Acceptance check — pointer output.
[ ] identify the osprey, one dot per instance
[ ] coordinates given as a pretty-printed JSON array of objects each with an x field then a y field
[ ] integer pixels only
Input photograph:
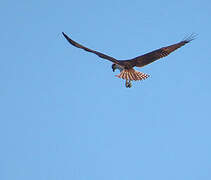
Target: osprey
[{"x": 126, "y": 66}]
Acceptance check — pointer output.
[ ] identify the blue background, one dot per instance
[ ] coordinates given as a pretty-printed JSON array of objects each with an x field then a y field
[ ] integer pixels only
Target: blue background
[{"x": 64, "y": 115}]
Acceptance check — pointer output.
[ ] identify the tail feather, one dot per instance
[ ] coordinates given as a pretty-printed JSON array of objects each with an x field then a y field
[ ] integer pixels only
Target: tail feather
[{"x": 133, "y": 75}]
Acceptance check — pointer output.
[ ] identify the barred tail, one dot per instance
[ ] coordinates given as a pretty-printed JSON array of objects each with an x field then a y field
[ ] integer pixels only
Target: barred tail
[{"x": 133, "y": 75}]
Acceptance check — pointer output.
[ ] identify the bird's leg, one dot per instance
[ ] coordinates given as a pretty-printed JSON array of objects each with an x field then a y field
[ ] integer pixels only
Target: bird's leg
[{"x": 128, "y": 84}]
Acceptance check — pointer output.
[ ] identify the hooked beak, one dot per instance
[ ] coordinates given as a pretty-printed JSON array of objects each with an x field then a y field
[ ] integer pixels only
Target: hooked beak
[{"x": 113, "y": 67}]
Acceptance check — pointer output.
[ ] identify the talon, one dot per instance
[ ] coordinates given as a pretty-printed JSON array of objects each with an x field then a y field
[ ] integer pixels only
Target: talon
[{"x": 128, "y": 84}]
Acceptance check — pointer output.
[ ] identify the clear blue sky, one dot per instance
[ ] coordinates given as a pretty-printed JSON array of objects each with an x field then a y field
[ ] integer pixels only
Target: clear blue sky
[{"x": 64, "y": 115}]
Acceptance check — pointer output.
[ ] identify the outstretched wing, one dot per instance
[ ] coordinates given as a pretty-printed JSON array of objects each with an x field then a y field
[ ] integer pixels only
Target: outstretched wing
[
  {"x": 104, "y": 56},
  {"x": 160, "y": 53}
]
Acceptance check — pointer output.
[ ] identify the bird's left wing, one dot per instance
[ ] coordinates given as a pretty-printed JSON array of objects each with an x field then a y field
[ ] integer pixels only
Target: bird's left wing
[
  {"x": 104, "y": 56},
  {"x": 160, "y": 53}
]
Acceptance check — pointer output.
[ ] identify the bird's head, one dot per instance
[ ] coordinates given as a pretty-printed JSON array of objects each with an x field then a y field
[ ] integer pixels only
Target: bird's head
[{"x": 114, "y": 66}]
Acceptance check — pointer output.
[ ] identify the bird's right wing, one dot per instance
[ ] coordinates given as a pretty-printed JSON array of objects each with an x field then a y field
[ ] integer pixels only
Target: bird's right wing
[
  {"x": 160, "y": 53},
  {"x": 104, "y": 56}
]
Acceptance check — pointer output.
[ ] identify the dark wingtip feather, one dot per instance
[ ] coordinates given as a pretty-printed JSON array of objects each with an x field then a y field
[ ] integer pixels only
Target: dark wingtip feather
[
  {"x": 65, "y": 35},
  {"x": 70, "y": 40},
  {"x": 190, "y": 38}
]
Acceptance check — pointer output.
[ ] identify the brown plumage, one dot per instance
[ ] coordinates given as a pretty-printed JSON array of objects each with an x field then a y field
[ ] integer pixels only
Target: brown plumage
[{"x": 126, "y": 66}]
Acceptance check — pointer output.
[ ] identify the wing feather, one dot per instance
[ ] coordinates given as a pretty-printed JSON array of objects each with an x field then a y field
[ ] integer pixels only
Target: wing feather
[
  {"x": 160, "y": 53},
  {"x": 104, "y": 56}
]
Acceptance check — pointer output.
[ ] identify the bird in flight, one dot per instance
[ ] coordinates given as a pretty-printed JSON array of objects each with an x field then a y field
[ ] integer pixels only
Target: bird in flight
[{"x": 127, "y": 71}]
